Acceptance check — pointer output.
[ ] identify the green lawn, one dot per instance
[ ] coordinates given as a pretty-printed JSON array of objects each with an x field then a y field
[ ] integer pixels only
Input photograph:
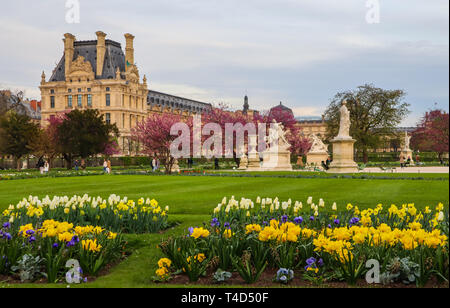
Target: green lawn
[{"x": 192, "y": 199}]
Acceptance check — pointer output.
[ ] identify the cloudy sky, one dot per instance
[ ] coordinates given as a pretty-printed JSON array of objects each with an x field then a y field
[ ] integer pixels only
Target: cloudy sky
[{"x": 300, "y": 52}]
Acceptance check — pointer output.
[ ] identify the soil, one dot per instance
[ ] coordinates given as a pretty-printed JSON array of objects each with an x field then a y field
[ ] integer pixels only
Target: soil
[
  {"x": 266, "y": 281},
  {"x": 15, "y": 279}
]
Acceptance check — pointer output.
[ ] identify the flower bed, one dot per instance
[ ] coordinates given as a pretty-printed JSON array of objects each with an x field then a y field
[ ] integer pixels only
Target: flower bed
[
  {"x": 54, "y": 250},
  {"x": 314, "y": 242},
  {"x": 115, "y": 213}
]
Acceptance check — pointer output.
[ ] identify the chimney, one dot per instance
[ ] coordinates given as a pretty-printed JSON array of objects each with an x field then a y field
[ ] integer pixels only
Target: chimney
[
  {"x": 129, "y": 50},
  {"x": 101, "y": 50},
  {"x": 69, "y": 39}
]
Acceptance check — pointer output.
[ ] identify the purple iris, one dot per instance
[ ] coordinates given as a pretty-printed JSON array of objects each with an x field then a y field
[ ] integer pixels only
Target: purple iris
[
  {"x": 7, "y": 236},
  {"x": 320, "y": 262},
  {"x": 75, "y": 239},
  {"x": 354, "y": 220},
  {"x": 265, "y": 223},
  {"x": 337, "y": 221},
  {"x": 191, "y": 230},
  {"x": 227, "y": 225},
  {"x": 71, "y": 243},
  {"x": 312, "y": 218},
  {"x": 311, "y": 261},
  {"x": 6, "y": 225},
  {"x": 215, "y": 223},
  {"x": 298, "y": 220},
  {"x": 31, "y": 239},
  {"x": 284, "y": 219},
  {"x": 30, "y": 232},
  {"x": 55, "y": 245}
]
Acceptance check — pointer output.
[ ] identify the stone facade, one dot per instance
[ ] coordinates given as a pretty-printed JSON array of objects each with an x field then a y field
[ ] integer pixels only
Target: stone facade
[{"x": 99, "y": 75}]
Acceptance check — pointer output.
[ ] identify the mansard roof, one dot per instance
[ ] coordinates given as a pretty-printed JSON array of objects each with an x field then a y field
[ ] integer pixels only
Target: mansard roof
[
  {"x": 169, "y": 100},
  {"x": 114, "y": 57}
]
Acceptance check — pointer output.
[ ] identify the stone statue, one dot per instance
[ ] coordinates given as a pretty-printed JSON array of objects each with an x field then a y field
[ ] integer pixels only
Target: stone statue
[
  {"x": 407, "y": 141},
  {"x": 277, "y": 136},
  {"x": 344, "y": 128},
  {"x": 317, "y": 145}
]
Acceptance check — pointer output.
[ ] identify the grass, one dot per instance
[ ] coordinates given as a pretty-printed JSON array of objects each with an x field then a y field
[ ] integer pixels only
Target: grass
[{"x": 192, "y": 199}]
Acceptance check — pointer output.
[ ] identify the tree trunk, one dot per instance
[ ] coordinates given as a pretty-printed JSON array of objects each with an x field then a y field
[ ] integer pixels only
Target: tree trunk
[
  {"x": 68, "y": 159},
  {"x": 365, "y": 156},
  {"x": 18, "y": 161}
]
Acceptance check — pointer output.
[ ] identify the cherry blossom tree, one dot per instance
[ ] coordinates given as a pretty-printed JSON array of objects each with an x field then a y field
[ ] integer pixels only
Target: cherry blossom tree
[
  {"x": 154, "y": 134},
  {"x": 300, "y": 145},
  {"x": 432, "y": 133},
  {"x": 47, "y": 142}
]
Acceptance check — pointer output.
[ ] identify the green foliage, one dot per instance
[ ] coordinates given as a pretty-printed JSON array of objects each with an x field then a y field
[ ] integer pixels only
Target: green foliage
[
  {"x": 16, "y": 134},
  {"x": 401, "y": 269},
  {"x": 29, "y": 267},
  {"x": 221, "y": 276},
  {"x": 253, "y": 262},
  {"x": 84, "y": 133},
  {"x": 374, "y": 113}
]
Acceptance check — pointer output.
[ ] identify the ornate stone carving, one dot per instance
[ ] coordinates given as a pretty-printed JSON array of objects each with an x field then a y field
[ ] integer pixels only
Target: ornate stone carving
[
  {"x": 80, "y": 65},
  {"x": 118, "y": 76},
  {"x": 277, "y": 136},
  {"x": 317, "y": 145},
  {"x": 133, "y": 74}
]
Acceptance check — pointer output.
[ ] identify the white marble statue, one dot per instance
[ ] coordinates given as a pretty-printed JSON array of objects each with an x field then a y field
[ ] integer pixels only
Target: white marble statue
[
  {"x": 407, "y": 141},
  {"x": 317, "y": 145},
  {"x": 277, "y": 136},
  {"x": 344, "y": 128}
]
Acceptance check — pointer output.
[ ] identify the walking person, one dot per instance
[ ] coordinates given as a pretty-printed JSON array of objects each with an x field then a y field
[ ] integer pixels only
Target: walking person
[
  {"x": 40, "y": 165},
  {"x": 46, "y": 167},
  {"x": 105, "y": 166},
  {"x": 77, "y": 164},
  {"x": 154, "y": 167},
  {"x": 108, "y": 169}
]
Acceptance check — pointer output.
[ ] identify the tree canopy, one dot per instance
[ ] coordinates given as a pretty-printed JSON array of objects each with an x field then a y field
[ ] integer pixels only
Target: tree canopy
[
  {"x": 432, "y": 133},
  {"x": 374, "y": 113},
  {"x": 84, "y": 133},
  {"x": 17, "y": 132}
]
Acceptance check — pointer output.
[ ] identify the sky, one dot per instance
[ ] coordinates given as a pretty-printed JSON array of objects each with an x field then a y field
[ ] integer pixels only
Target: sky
[{"x": 299, "y": 52}]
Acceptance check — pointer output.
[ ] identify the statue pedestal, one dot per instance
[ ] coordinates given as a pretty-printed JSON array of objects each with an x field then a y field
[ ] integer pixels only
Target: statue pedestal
[
  {"x": 408, "y": 153},
  {"x": 343, "y": 157},
  {"x": 243, "y": 163},
  {"x": 277, "y": 161},
  {"x": 253, "y": 156},
  {"x": 254, "y": 163},
  {"x": 175, "y": 166},
  {"x": 316, "y": 157}
]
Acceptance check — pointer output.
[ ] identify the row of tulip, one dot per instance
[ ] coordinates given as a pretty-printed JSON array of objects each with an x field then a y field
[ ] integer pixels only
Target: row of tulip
[
  {"x": 50, "y": 248},
  {"x": 318, "y": 242},
  {"x": 115, "y": 213}
]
